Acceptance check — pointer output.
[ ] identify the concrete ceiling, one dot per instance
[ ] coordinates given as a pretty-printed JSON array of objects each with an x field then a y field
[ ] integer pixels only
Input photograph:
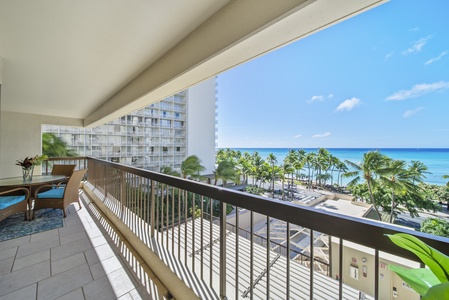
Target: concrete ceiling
[{"x": 96, "y": 60}]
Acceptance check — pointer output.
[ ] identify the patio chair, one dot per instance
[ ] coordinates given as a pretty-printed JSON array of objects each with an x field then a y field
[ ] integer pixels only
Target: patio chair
[
  {"x": 66, "y": 170},
  {"x": 59, "y": 197},
  {"x": 14, "y": 201}
]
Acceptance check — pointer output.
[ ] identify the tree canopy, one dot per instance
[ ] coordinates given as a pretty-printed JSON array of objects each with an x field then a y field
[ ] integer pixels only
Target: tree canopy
[
  {"x": 390, "y": 185},
  {"x": 191, "y": 167},
  {"x": 435, "y": 226},
  {"x": 54, "y": 146}
]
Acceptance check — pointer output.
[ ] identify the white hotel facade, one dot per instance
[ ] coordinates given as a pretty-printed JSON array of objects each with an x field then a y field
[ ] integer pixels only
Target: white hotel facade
[{"x": 158, "y": 135}]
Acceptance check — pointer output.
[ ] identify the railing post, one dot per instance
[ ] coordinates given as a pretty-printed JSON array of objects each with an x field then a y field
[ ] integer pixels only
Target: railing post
[
  {"x": 152, "y": 210},
  {"x": 268, "y": 257},
  {"x": 123, "y": 193},
  {"x": 251, "y": 256},
  {"x": 329, "y": 266},
  {"x": 222, "y": 250},
  {"x": 287, "y": 235},
  {"x": 312, "y": 263},
  {"x": 376, "y": 274},
  {"x": 340, "y": 270}
]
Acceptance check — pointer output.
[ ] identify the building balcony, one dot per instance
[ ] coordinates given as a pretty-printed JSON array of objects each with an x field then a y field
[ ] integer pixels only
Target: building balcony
[
  {"x": 77, "y": 261},
  {"x": 209, "y": 254}
]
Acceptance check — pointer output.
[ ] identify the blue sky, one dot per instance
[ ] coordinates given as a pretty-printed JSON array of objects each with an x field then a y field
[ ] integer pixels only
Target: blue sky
[{"x": 380, "y": 79}]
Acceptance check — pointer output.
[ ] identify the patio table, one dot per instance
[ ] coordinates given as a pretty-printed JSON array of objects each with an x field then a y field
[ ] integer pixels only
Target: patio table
[{"x": 37, "y": 180}]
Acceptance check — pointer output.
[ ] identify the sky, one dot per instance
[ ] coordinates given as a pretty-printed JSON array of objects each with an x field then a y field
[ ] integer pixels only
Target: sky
[{"x": 377, "y": 80}]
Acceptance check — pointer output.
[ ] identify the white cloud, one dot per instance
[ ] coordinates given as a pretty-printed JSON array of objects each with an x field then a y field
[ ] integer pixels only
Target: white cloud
[
  {"x": 417, "y": 46},
  {"x": 418, "y": 90},
  {"x": 321, "y": 135},
  {"x": 410, "y": 113},
  {"x": 414, "y": 29},
  {"x": 432, "y": 60},
  {"x": 316, "y": 98},
  {"x": 388, "y": 55},
  {"x": 297, "y": 136},
  {"x": 348, "y": 104},
  {"x": 320, "y": 98}
]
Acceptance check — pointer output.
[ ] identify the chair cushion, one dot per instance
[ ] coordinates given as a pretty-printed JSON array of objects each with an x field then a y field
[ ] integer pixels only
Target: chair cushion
[
  {"x": 6, "y": 201},
  {"x": 53, "y": 194}
]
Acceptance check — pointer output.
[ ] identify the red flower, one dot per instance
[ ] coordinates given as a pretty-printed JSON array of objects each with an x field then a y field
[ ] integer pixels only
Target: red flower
[{"x": 31, "y": 161}]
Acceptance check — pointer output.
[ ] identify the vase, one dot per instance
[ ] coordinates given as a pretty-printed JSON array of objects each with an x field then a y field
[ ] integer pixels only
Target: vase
[{"x": 27, "y": 173}]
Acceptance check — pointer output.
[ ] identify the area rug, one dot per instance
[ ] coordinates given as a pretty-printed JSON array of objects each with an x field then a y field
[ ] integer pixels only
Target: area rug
[{"x": 45, "y": 219}]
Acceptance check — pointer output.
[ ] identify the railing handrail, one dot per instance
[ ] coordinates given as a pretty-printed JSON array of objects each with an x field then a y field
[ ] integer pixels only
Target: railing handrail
[{"x": 365, "y": 232}]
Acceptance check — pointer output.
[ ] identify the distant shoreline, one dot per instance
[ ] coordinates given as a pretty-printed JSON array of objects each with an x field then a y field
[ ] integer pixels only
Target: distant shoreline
[
  {"x": 339, "y": 148},
  {"x": 436, "y": 159}
]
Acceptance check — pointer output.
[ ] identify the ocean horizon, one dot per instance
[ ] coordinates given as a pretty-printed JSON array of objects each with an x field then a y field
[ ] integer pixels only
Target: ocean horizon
[{"x": 436, "y": 159}]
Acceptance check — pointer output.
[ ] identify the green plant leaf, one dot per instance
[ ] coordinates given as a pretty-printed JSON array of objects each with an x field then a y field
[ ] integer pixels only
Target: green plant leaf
[
  {"x": 421, "y": 279},
  {"x": 434, "y": 259},
  {"x": 438, "y": 292}
]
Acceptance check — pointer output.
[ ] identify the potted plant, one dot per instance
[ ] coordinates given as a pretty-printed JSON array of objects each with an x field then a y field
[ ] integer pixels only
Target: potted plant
[
  {"x": 28, "y": 164},
  {"x": 431, "y": 283}
]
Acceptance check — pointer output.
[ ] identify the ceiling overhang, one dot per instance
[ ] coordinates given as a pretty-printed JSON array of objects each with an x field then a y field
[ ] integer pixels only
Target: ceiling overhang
[{"x": 227, "y": 34}]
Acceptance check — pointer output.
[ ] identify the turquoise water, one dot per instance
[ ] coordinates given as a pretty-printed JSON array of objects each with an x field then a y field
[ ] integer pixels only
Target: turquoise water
[{"x": 436, "y": 159}]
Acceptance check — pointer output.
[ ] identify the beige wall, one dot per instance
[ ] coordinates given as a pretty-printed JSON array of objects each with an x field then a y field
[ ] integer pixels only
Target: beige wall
[{"x": 20, "y": 136}]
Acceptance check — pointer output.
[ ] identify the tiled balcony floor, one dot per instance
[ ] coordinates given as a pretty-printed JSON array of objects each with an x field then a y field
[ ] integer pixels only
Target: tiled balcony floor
[{"x": 76, "y": 261}]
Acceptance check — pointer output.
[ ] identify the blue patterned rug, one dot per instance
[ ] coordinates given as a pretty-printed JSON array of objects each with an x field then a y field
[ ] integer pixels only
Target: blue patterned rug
[{"x": 45, "y": 219}]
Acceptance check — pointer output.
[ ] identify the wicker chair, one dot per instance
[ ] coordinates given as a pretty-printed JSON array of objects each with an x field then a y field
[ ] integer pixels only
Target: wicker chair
[
  {"x": 59, "y": 197},
  {"x": 14, "y": 201},
  {"x": 66, "y": 170}
]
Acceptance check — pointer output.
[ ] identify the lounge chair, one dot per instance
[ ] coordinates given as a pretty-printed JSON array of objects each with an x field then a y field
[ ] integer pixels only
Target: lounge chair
[
  {"x": 14, "y": 201},
  {"x": 59, "y": 197}
]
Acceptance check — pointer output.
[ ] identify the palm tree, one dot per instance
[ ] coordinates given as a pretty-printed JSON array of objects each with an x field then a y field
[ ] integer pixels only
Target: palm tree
[
  {"x": 191, "y": 166},
  {"x": 341, "y": 167},
  {"x": 334, "y": 163},
  {"x": 285, "y": 169},
  {"x": 225, "y": 171},
  {"x": 308, "y": 160},
  {"x": 300, "y": 161},
  {"x": 54, "y": 146},
  {"x": 257, "y": 166},
  {"x": 220, "y": 155},
  {"x": 367, "y": 170},
  {"x": 322, "y": 163},
  {"x": 446, "y": 177},
  {"x": 416, "y": 170},
  {"x": 293, "y": 159},
  {"x": 272, "y": 160},
  {"x": 169, "y": 171},
  {"x": 264, "y": 174},
  {"x": 244, "y": 166},
  {"x": 396, "y": 179}
]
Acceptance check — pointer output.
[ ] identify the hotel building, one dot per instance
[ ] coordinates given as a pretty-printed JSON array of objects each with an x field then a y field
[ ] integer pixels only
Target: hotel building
[{"x": 158, "y": 135}]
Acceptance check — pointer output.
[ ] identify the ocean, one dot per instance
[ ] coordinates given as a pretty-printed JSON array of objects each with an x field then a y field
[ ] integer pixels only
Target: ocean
[{"x": 436, "y": 159}]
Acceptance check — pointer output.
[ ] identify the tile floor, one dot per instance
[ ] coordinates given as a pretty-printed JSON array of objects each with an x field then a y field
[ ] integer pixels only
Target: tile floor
[{"x": 76, "y": 261}]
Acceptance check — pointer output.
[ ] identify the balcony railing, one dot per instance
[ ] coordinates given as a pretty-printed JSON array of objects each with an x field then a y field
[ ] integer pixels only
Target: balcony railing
[{"x": 184, "y": 224}]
